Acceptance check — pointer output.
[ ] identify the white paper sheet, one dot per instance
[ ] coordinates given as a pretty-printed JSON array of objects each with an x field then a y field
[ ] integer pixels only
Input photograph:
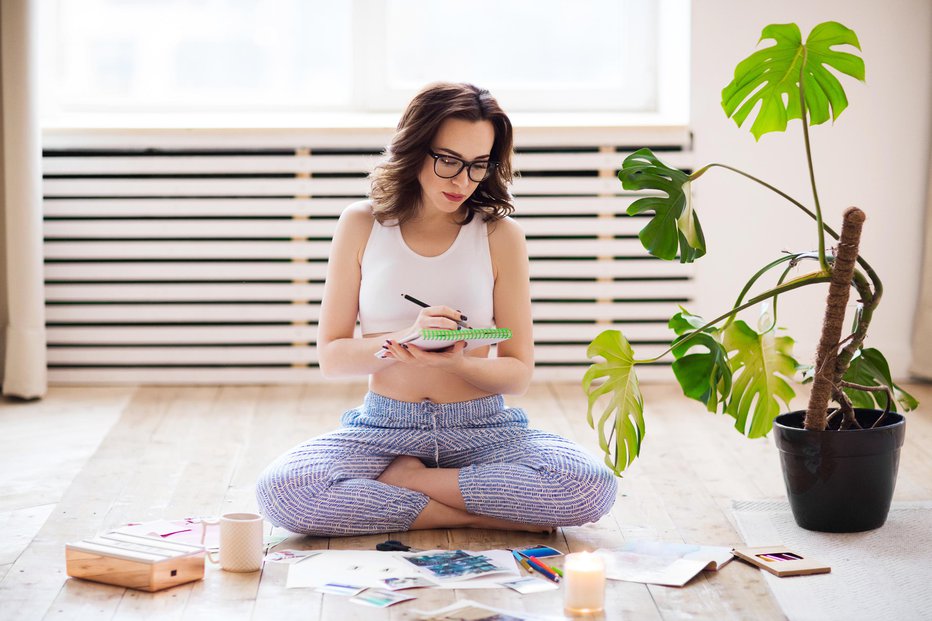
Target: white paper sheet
[
  {"x": 658, "y": 562},
  {"x": 371, "y": 568}
]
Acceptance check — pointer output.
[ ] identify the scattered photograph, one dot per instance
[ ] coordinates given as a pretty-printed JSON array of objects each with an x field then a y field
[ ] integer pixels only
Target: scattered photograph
[
  {"x": 411, "y": 582},
  {"x": 530, "y": 584},
  {"x": 341, "y": 589},
  {"x": 449, "y": 565},
  {"x": 469, "y": 612},
  {"x": 379, "y": 598},
  {"x": 539, "y": 551},
  {"x": 289, "y": 556}
]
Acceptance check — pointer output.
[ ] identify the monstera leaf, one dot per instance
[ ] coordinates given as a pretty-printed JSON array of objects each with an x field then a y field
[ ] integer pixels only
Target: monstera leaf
[
  {"x": 760, "y": 365},
  {"x": 704, "y": 376},
  {"x": 674, "y": 224},
  {"x": 623, "y": 416},
  {"x": 869, "y": 368},
  {"x": 768, "y": 74}
]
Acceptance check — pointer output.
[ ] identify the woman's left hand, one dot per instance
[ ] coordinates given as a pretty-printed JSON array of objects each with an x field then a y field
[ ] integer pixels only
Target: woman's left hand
[{"x": 412, "y": 354}]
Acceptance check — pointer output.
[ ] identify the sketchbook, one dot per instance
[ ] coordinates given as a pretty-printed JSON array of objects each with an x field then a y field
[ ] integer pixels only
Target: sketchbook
[
  {"x": 656, "y": 562},
  {"x": 433, "y": 339}
]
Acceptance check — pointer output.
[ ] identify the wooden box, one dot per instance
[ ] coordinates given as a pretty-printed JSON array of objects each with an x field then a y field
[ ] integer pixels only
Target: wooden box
[
  {"x": 134, "y": 561},
  {"x": 781, "y": 562}
]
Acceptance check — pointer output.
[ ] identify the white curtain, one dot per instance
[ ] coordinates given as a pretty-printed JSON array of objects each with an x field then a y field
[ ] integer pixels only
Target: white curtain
[
  {"x": 922, "y": 330},
  {"x": 24, "y": 371}
]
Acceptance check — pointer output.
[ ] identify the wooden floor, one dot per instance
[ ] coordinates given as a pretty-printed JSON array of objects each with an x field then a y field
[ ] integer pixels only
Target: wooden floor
[{"x": 84, "y": 460}]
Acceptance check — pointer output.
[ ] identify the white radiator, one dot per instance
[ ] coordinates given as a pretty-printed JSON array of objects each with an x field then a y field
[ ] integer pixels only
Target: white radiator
[{"x": 199, "y": 257}]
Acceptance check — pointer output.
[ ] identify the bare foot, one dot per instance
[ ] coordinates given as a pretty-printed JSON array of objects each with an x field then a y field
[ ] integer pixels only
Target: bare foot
[{"x": 400, "y": 470}]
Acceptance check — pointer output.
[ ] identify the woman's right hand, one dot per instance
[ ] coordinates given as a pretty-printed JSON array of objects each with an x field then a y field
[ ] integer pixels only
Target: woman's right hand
[{"x": 437, "y": 317}]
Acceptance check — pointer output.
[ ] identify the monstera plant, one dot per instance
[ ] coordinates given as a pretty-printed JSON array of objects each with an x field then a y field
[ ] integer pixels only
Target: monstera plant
[{"x": 732, "y": 367}]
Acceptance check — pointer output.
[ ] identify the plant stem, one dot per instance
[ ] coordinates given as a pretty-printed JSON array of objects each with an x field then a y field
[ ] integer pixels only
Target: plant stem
[
  {"x": 761, "y": 272},
  {"x": 804, "y": 117},
  {"x": 875, "y": 279},
  {"x": 702, "y": 170},
  {"x": 803, "y": 281}
]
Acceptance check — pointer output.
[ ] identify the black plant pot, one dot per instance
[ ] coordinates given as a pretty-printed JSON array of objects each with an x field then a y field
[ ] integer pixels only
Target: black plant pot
[{"x": 840, "y": 481}]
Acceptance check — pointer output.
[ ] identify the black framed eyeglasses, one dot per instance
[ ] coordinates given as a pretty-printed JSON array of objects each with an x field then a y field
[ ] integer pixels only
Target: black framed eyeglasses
[{"x": 448, "y": 166}]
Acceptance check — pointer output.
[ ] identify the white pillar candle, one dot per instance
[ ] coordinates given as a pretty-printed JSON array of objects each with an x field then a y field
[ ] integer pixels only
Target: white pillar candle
[{"x": 583, "y": 584}]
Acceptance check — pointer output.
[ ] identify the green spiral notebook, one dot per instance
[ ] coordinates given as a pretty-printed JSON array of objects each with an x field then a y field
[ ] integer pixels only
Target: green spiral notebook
[{"x": 438, "y": 339}]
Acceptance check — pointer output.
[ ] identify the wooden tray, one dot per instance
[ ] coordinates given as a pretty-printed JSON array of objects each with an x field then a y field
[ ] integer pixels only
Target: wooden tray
[{"x": 134, "y": 561}]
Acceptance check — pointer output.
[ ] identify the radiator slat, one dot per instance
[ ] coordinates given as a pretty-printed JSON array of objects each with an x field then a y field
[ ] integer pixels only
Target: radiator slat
[
  {"x": 239, "y": 335},
  {"x": 234, "y": 207},
  {"x": 289, "y": 354},
  {"x": 358, "y": 186},
  {"x": 281, "y": 375},
  {"x": 158, "y": 292},
  {"x": 211, "y": 249},
  {"x": 315, "y": 227},
  {"x": 240, "y": 271},
  {"x": 259, "y": 313}
]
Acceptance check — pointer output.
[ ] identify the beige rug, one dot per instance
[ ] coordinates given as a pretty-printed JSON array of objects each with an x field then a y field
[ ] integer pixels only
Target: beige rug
[{"x": 880, "y": 574}]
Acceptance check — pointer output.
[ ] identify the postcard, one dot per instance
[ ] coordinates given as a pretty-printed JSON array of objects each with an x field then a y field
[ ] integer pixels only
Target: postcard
[
  {"x": 289, "y": 556},
  {"x": 449, "y": 565},
  {"x": 379, "y": 598},
  {"x": 335, "y": 588},
  {"x": 530, "y": 584}
]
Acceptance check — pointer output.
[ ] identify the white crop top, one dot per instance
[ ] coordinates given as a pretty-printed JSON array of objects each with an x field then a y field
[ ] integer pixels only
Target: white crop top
[{"x": 460, "y": 278}]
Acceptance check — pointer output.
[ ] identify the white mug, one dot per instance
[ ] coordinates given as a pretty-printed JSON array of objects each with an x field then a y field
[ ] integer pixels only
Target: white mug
[{"x": 241, "y": 541}]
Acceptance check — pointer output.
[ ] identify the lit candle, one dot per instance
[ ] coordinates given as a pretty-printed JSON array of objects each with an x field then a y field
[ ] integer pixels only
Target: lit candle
[{"x": 583, "y": 584}]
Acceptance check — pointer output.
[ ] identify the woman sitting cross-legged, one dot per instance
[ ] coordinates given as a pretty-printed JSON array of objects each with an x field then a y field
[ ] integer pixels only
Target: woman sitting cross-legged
[{"x": 433, "y": 445}]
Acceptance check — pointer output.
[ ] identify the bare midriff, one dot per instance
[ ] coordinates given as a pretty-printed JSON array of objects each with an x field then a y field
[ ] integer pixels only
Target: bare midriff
[{"x": 408, "y": 382}]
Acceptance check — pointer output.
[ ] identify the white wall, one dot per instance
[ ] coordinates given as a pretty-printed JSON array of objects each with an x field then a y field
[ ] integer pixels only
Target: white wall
[{"x": 874, "y": 157}]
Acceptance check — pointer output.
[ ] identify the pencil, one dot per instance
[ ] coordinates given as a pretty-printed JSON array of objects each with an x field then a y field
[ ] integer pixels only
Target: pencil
[
  {"x": 523, "y": 562},
  {"x": 461, "y": 323},
  {"x": 542, "y": 569}
]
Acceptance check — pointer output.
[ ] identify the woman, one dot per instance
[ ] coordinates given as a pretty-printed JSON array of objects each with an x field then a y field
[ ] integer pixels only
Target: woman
[{"x": 433, "y": 445}]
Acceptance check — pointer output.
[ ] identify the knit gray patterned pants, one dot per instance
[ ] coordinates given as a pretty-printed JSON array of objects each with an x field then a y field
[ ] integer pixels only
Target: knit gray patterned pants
[{"x": 326, "y": 486}]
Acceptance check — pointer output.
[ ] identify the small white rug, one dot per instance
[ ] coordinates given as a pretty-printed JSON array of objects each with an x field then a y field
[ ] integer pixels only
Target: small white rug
[{"x": 880, "y": 574}]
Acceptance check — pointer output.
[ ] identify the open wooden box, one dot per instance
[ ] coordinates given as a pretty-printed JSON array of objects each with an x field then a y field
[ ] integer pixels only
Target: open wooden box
[{"x": 134, "y": 561}]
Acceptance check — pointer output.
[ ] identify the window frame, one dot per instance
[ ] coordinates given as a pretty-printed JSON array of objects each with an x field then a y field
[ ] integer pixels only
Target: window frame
[{"x": 374, "y": 104}]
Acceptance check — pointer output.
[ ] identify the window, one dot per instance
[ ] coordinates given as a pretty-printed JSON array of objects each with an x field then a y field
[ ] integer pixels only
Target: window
[{"x": 318, "y": 56}]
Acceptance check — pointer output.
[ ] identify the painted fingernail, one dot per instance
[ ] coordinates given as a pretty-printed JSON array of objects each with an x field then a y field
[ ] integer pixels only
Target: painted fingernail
[
  {"x": 404, "y": 346},
  {"x": 384, "y": 346},
  {"x": 463, "y": 317}
]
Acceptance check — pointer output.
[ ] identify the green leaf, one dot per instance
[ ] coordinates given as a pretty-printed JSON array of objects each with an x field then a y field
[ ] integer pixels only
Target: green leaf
[
  {"x": 771, "y": 76},
  {"x": 760, "y": 365},
  {"x": 684, "y": 322},
  {"x": 703, "y": 376},
  {"x": 869, "y": 368},
  {"x": 622, "y": 419},
  {"x": 675, "y": 224}
]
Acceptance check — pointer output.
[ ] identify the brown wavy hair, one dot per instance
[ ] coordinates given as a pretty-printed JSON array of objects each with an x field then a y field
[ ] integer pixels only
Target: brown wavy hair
[{"x": 395, "y": 190}]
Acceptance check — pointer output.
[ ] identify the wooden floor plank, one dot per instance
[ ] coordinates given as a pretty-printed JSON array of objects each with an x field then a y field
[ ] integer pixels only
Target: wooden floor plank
[
  {"x": 156, "y": 473},
  {"x": 38, "y": 575},
  {"x": 288, "y": 415}
]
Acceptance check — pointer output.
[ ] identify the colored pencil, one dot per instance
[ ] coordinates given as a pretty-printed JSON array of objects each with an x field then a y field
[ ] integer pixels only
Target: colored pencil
[{"x": 543, "y": 569}]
